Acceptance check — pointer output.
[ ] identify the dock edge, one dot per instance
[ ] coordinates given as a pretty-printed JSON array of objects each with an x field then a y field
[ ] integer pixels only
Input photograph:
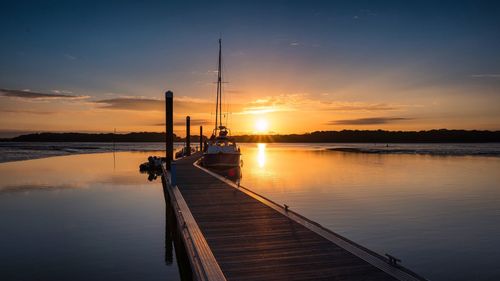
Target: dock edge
[{"x": 204, "y": 266}]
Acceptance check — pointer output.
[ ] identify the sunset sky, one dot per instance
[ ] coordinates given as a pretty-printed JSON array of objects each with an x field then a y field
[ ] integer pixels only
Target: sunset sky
[{"x": 291, "y": 66}]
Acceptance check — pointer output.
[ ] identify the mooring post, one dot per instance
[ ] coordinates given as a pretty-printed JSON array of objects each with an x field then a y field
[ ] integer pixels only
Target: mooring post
[
  {"x": 188, "y": 135},
  {"x": 201, "y": 138},
  {"x": 169, "y": 128}
]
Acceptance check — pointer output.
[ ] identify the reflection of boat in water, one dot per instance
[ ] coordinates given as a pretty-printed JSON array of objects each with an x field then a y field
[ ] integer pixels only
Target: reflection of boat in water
[
  {"x": 221, "y": 150},
  {"x": 152, "y": 167}
]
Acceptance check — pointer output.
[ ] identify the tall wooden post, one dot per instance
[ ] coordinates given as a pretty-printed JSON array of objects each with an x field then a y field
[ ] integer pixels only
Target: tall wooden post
[
  {"x": 201, "y": 138},
  {"x": 188, "y": 135},
  {"x": 169, "y": 128}
]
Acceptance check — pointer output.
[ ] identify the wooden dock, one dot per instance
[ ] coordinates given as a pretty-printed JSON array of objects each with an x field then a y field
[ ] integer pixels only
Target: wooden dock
[{"x": 231, "y": 233}]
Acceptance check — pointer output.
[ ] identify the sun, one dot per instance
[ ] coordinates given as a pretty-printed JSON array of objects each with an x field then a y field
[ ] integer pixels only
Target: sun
[{"x": 261, "y": 125}]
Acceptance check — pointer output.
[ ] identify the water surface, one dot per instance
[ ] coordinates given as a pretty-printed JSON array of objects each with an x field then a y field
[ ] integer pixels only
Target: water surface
[
  {"x": 83, "y": 217},
  {"x": 439, "y": 214},
  {"x": 94, "y": 217}
]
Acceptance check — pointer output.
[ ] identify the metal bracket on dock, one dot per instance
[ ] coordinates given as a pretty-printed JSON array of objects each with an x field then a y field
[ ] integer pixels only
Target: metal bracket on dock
[{"x": 393, "y": 260}]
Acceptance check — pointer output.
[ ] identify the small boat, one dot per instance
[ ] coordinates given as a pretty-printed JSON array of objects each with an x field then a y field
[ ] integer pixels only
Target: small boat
[
  {"x": 152, "y": 167},
  {"x": 184, "y": 152},
  {"x": 220, "y": 150}
]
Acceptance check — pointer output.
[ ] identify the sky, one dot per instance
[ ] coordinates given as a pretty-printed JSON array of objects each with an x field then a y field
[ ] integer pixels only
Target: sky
[{"x": 289, "y": 66}]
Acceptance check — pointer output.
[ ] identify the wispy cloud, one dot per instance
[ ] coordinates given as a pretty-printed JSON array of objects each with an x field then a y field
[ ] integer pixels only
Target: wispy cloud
[
  {"x": 272, "y": 104},
  {"x": 368, "y": 121},
  {"x": 486, "y": 75},
  {"x": 364, "y": 13},
  {"x": 70, "y": 57},
  {"x": 181, "y": 104},
  {"x": 61, "y": 92},
  {"x": 358, "y": 106},
  {"x": 132, "y": 104},
  {"x": 25, "y": 94},
  {"x": 302, "y": 102},
  {"x": 28, "y": 112}
]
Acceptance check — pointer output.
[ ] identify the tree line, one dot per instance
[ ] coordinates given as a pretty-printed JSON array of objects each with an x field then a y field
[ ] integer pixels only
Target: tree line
[{"x": 358, "y": 136}]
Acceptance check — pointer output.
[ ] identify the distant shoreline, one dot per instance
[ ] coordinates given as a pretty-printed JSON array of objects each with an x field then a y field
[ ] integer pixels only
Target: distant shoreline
[
  {"x": 19, "y": 151},
  {"x": 345, "y": 136},
  {"x": 495, "y": 152}
]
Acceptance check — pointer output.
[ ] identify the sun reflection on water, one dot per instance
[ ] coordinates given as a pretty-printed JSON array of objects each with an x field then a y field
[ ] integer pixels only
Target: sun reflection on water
[{"x": 261, "y": 154}]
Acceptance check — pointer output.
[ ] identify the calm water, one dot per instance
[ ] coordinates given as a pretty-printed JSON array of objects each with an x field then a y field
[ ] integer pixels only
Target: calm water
[
  {"x": 84, "y": 217},
  {"x": 17, "y": 151},
  {"x": 439, "y": 214}
]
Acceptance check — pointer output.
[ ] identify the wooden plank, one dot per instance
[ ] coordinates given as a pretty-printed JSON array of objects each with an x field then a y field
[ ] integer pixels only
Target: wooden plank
[
  {"x": 361, "y": 252},
  {"x": 252, "y": 238},
  {"x": 201, "y": 257}
]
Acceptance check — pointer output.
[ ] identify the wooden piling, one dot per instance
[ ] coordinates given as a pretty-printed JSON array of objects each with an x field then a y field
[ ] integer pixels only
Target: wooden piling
[
  {"x": 188, "y": 135},
  {"x": 201, "y": 138},
  {"x": 169, "y": 128}
]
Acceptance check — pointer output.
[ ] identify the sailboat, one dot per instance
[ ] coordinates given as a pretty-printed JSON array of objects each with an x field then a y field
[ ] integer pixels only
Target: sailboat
[{"x": 220, "y": 150}]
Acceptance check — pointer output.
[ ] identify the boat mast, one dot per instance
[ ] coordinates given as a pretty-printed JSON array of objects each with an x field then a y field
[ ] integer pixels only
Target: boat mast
[
  {"x": 219, "y": 86},
  {"x": 217, "y": 100}
]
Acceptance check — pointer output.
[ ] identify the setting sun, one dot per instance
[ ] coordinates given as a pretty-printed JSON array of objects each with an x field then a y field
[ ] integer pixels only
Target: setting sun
[{"x": 261, "y": 125}]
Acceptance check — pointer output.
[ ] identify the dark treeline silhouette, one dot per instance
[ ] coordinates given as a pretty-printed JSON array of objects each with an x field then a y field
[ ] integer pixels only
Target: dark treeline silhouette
[
  {"x": 380, "y": 136},
  {"x": 87, "y": 137},
  {"x": 367, "y": 136}
]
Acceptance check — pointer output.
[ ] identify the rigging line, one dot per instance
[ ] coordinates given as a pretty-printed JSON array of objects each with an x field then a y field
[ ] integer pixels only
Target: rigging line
[
  {"x": 218, "y": 88},
  {"x": 225, "y": 103},
  {"x": 220, "y": 82},
  {"x": 229, "y": 113},
  {"x": 226, "y": 96}
]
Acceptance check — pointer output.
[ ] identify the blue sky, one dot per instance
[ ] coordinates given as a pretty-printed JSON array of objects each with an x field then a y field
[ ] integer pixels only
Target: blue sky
[{"x": 276, "y": 53}]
